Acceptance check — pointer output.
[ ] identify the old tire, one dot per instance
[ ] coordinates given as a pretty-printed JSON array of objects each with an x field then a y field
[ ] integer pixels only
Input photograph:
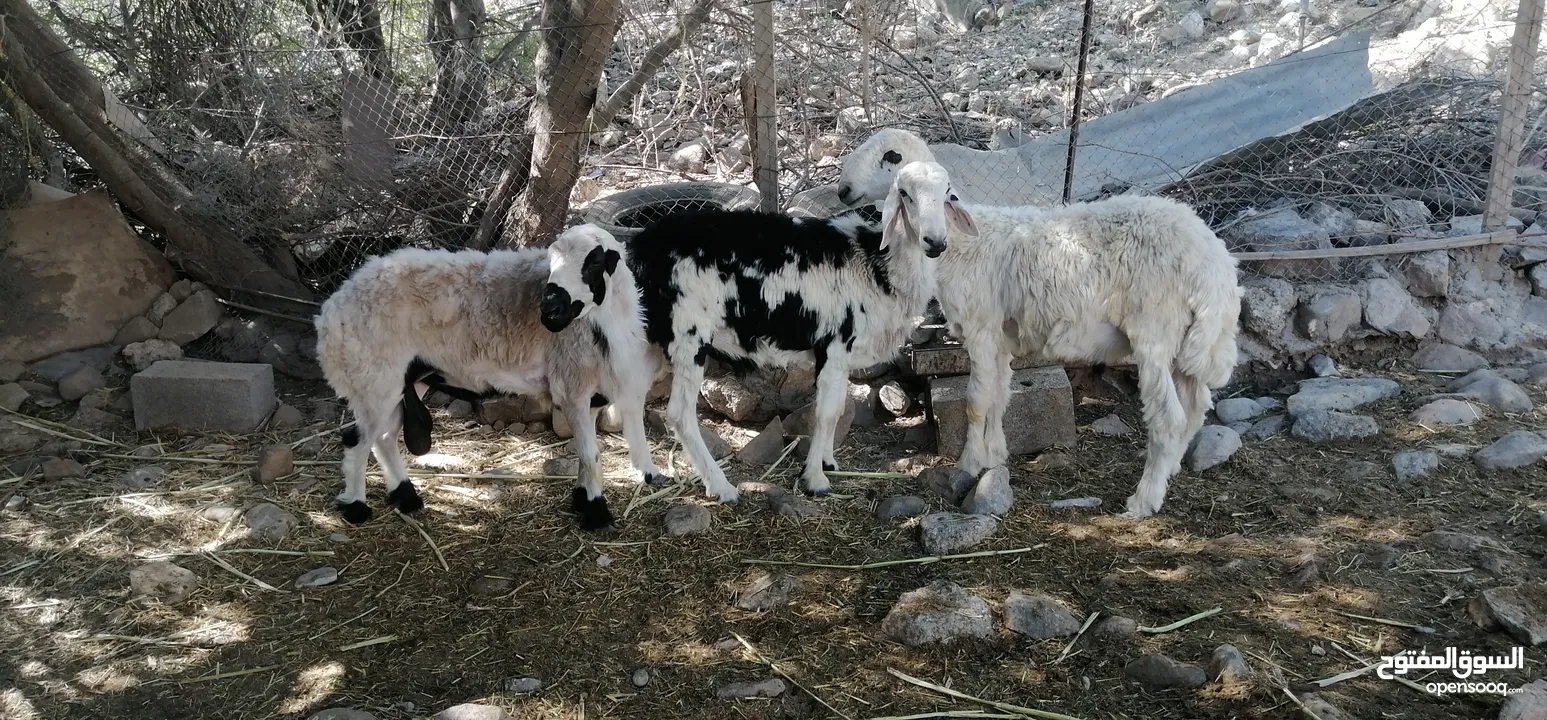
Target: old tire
[{"x": 626, "y": 213}]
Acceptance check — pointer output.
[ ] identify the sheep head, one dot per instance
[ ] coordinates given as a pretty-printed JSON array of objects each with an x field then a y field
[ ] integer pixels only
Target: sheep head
[
  {"x": 868, "y": 172},
  {"x": 581, "y": 263},
  {"x": 921, "y": 206}
]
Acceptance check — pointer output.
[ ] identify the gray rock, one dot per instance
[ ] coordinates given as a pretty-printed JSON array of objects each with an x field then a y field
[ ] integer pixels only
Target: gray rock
[
  {"x": 1038, "y": 616},
  {"x": 1266, "y": 305},
  {"x": 1329, "y": 425},
  {"x": 1453, "y": 450},
  {"x": 1222, "y": 11},
  {"x": 1536, "y": 376},
  {"x": 1116, "y": 628},
  {"x": 992, "y": 494},
  {"x": 866, "y": 402},
  {"x": 11, "y": 371},
  {"x": 191, "y": 319},
  {"x": 1328, "y": 314},
  {"x": 1266, "y": 427},
  {"x": 943, "y": 533},
  {"x": 1324, "y": 710},
  {"x": 940, "y": 611},
  {"x": 1427, "y": 273},
  {"x": 1322, "y": 366},
  {"x": 522, "y": 685},
  {"x": 770, "y": 688},
  {"x": 728, "y": 397},
  {"x": 1340, "y": 394},
  {"x": 1518, "y": 449},
  {"x": 274, "y": 462},
  {"x": 58, "y": 367},
  {"x": 896, "y": 400},
  {"x": 75, "y": 385},
  {"x": 142, "y": 355},
  {"x": 317, "y": 578},
  {"x": 766, "y": 447},
  {"x": 949, "y": 483},
  {"x": 62, "y": 469},
  {"x": 12, "y": 396},
  {"x": 1458, "y": 541},
  {"x": 286, "y": 417},
  {"x": 1414, "y": 464},
  {"x": 718, "y": 446},
  {"x": 1444, "y": 357},
  {"x": 640, "y": 678},
  {"x": 1081, "y": 502},
  {"x": 338, "y": 538},
  {"x": 163, "y": 304},
  {"x": 15, "y": 439},
  {"x": 796, "y": 506},
  {"x": 1389, "y": 309},
  {"x": 1160, "y": 672},
  {"x": 567, "y": 467},
  {"x": 1214, "y": 444},
  {"x": 94, "y": 420},
  {"x": 342, "y": 714},
  {"x": 292, "y": 356},
  {"x": 472, "y": 711},
  {"x": 901, "y": 506},
  {"x": 1520, "y": 611},
  {"x": 1228, "y": 663},
  {"x": 1446, "y": 411},
  {"x": 460, "y": 409},
  {"x": 269, "y": 523},
  {"x": 803, "y": 421},
  {"x": 164, "y": 581},
  {"x": 687, "y": 520},
  {"x": 1237, "y": 409},
  {"x": 766, "y": 591},
  {"x": 1529, "y": 703},
  {"x": 1110, "y": 426},
  {"x": 144, "y": 477},
  {"x": 1495, "y": 391}
]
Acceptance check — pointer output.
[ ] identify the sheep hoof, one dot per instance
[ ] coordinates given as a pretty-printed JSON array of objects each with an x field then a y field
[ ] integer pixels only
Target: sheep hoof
[
  {"x": 658, "y": 479},
  {"x": 593, "y": 514},
  {"x": 405, "y": 497},
  {"x": 829, "y": 467},
  {"x": 354, "y": 512}
]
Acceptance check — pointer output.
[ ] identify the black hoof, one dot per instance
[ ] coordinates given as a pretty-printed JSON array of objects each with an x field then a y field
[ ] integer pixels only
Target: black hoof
[
  {"x": 816, "y": 493},
  {"x": 657, "y": 479},
  {"x": 829, "y": 467},
  {"x": 405, "y": 497},
  {"x": 355, "y": 513},
  {"x": 593, "y": 514}
]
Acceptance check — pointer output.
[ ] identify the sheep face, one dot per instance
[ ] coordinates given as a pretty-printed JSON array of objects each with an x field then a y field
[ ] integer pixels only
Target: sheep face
[
  {"x": 921, "y": 206},
  {"x": 581, "y": 263},
  {"x": 869, "y": 171}
]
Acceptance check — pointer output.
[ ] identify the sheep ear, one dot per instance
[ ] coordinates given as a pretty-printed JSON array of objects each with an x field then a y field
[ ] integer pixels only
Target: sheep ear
[
  {"x": 960, "y": 219},
  {"x": 899, "y": 214},
  {"x": 612, "y": 261}
]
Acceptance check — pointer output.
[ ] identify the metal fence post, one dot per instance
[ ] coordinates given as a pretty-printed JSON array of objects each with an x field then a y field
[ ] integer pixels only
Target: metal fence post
[{"x": 1512, "y": 114}]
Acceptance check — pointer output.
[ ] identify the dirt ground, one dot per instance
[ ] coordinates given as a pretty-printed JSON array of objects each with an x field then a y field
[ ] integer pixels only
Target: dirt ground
[{"x": 1290, "y": 539}]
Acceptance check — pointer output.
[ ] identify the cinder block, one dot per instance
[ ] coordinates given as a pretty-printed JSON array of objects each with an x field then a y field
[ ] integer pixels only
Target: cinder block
[
  {"x": 190, "y": 395},
  {"x": 1040, "y": 413},
  {"x": 947, "y": 360}
]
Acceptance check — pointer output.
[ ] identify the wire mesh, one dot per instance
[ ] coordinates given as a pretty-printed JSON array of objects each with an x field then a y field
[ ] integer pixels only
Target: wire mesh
[{"x": 322, "y": 133}]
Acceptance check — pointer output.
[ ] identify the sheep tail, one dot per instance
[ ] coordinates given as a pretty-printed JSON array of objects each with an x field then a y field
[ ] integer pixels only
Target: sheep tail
[{"x": 1208, "y": 350}]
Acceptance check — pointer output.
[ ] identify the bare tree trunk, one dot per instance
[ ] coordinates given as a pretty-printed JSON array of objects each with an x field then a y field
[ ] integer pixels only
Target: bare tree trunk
[
  {"x": 358, "y": 24},
  {"x": 67, "y": 97},
  {"x": 454, "y": 36},
  {"x": 512, "y": 182},
  {"x": 654, "y": 58},
  {"x": 577, "y": 37}
]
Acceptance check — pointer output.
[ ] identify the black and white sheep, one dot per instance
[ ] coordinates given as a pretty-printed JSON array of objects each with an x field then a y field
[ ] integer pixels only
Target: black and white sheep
[
  {"x": 755, "y": 289},
  {"x": 562, "y": 323},
  {"x": 1126, "y": 277}
]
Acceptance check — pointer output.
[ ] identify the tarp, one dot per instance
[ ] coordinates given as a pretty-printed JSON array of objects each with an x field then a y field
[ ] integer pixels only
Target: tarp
[{"x": 1157, "y": 143}]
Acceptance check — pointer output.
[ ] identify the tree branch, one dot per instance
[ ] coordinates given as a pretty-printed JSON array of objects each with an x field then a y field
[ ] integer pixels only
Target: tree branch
[{"x": 651, "y": 64}]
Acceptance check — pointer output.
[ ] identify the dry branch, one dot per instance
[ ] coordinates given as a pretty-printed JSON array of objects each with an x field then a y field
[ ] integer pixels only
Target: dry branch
[{"x": 650, "y": 64}]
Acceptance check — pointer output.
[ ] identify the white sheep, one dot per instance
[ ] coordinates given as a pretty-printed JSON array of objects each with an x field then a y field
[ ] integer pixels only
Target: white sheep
[
  {"x": 562, "y": 323},
  {"x": 755, "y": 289},
  {"x": 1126, "y": 277}
]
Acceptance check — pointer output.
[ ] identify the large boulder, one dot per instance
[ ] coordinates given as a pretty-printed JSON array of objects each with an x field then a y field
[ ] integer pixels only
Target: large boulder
[{"x": 75, "y": 273}]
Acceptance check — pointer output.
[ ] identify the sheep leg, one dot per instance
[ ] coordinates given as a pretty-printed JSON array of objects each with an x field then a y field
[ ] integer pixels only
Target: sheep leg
[
  {"x": 682, "y": 409},
  {"x": 988, "y": 387},
  {"x": 587, "y": 500},
  {"x": 1166, "y": 420},
  {"x": 831, "y": 386},
  {"x": 631, "y": 412},
  {"x": 401, "y": 492},
  {"x": 351, "y": 502}
]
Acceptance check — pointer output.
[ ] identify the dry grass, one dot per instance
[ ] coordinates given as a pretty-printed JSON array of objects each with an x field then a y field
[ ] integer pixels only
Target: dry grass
[{"x": 526, "y": 594}]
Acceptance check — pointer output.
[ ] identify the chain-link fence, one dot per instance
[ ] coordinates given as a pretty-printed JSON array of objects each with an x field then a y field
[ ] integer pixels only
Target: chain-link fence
[{"x": 317, "y": 133}]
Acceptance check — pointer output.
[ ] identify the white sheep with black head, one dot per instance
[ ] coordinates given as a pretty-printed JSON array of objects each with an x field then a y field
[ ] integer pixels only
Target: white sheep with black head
[{"x": 561, "y": 323}]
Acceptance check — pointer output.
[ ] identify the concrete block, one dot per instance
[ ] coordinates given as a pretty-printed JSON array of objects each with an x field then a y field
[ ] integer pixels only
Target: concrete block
[
  {"x": 946, "y": 360},
  {"x": 233, "y": 397},
  {"x": 1040, "y": 413}
]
